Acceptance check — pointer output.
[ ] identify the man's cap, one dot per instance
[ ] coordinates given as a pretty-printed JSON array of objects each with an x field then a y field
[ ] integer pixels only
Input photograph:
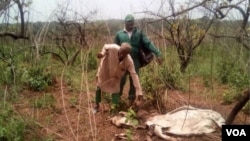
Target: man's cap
[{"x": 129, "y": 17}]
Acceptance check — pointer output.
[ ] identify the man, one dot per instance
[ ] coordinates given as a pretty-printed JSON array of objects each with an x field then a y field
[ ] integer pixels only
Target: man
[
  {"x": 115, "y": 62},
  {"x": 135, "y": 38}
]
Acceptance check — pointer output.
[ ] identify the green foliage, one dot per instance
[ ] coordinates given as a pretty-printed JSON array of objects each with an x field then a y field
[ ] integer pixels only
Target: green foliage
[
  {"x": 12, "y": 127},
  {"x": 68, "y": 77},
  {"x": 217, "y": 59},
  {"x": 131, "y": 116},
  {"x": 156, "y": 78},
  {"x": 167, "y": 75},
  {"x": 230, "y": 96},
  {"x": 12, "y": 56},
  {"x": 73, "y": 78},
  {"x": 37, "y": 78},
  {"x": 129, "y": 134},
  {"x": 92, "y": 61},
  {"x": 45, "y": 101},
  {"x": 6, "y": 77},
  {"x": 230, "y": 72},
  {"x": 218, "y": 63},
  {"x": 148, "y": 82},
  {"x": 171, "y": 76}
]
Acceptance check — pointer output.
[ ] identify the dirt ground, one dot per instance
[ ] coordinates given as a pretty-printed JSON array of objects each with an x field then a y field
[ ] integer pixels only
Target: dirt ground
[{"x": 76, "y": 122}]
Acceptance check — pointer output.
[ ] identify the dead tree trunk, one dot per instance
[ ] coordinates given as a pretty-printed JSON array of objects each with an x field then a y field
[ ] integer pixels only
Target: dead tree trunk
[{"x": 238, "y": 107}]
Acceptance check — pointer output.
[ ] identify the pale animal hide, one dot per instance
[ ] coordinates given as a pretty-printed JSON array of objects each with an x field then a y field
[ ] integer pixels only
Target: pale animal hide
[
  {"x": 186, "y": 121},
  {"x": 183, "y": 121}
]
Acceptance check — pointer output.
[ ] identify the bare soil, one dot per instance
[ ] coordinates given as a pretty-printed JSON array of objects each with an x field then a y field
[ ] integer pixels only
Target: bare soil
[{"x": 66, "y": 121}]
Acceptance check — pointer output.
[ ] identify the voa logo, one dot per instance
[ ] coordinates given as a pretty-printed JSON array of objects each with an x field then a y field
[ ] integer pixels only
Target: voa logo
[{"x": 236, "y": 132}]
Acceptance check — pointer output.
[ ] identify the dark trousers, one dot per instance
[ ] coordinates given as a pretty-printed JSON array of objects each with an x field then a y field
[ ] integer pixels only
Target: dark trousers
[
  {"x": 132, "y": 91},
  {"x": 98, "y": 96}
]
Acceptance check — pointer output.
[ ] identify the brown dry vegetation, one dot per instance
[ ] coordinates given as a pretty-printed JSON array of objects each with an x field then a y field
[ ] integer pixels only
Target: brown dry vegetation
[{"x": 65, "y": 121}]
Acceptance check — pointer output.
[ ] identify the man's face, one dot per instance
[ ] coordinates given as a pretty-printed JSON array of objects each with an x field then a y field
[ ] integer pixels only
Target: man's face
[
  {"x": 122, "y": 54},
  {"x": 129, "y": 25}
]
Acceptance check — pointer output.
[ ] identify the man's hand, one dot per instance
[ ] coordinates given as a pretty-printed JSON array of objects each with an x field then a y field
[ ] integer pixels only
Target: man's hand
[
  {"x": 140, "y": 97},
  {"x": 100, "y": 55},
  {"x": 139, "y": 100}
]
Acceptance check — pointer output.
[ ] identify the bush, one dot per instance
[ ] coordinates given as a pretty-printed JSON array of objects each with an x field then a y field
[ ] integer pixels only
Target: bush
[
  {"x": 148, "y": 83},
  {"x": 171, "y": 77},
  {"x": 165, "y": 77},
  {"x": 37, "y": 78},
  {"x": 12, "y": 127},
  {"x": 7, "y": 74},
  {"x": 233, "y": 74},
  {"x": 230, "y": 96},
  {"x": 92, "y": 61}
]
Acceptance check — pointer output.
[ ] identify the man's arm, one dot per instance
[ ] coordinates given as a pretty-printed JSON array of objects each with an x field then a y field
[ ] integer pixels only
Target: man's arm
[
  {"x": 148, "y": 44},
  {"x": 135, "y": 78},
  {"x": 104, "y": 51}
]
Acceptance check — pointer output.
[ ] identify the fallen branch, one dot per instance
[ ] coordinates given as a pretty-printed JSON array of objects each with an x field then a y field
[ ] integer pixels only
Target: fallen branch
[{"x": 13, "y": 35}]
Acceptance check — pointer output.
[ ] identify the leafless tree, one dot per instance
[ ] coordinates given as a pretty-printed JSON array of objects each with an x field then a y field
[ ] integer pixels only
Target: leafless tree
[
  {"x": 179, "y": 31},
  {"x": 71, "y": 33},
  {"x": 222, "y": 9},
  {"x": 21, "y": 15},
  {"x": 182, "y": 31}
]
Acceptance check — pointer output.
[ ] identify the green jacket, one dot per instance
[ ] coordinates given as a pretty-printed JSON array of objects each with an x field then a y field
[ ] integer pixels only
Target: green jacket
[{"x": 122, "y": 36}]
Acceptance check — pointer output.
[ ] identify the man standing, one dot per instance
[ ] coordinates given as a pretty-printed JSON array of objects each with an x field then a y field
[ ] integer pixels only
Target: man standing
[
  {"x": 135, "y": 38},
  {"x": 115, "y": 62}
]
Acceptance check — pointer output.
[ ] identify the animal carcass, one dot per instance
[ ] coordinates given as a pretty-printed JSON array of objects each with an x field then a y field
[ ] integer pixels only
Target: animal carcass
[{"x": 185, "y": 121}]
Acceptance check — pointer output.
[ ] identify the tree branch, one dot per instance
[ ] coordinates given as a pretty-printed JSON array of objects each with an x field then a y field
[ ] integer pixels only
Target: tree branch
[
  {"x": 13, "y": 35},
  {"x": 173, "y": 14}
]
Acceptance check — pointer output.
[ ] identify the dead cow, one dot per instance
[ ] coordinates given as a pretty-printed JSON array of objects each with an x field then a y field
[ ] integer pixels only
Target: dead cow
[
  {"x": 186, "y": 121},
  {"x": 183, "y": 121}
]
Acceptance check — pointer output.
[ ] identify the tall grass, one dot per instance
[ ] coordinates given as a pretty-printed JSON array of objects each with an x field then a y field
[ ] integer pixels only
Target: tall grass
[
  {"x": 213, "y": 62},
  {"x": 12, "y": 126}
]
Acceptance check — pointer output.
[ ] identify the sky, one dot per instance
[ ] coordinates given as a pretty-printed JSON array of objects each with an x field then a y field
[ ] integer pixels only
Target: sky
[
  {"x": 106, "y": 9},
  {"x": 41, "y": 10}
]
